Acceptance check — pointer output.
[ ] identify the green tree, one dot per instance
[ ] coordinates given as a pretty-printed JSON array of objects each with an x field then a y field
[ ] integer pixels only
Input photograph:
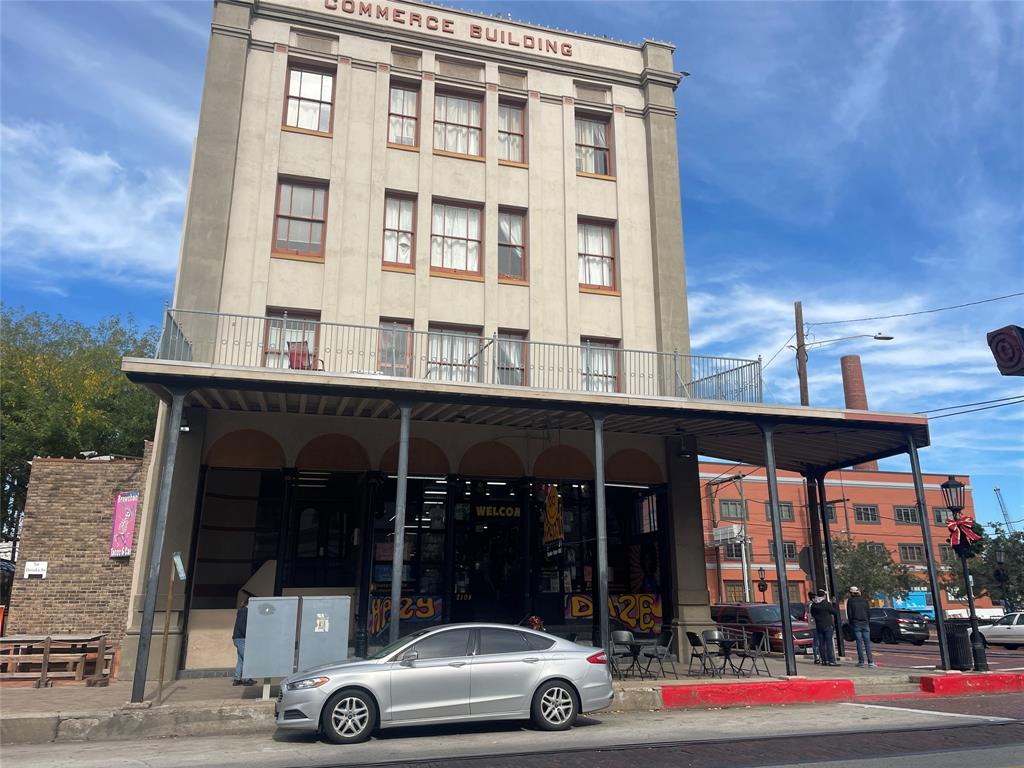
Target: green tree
[
  {"x": 62, "y": 392},
  {"x": 871, "y": 568},
  {"x": 983, "y": 567}
]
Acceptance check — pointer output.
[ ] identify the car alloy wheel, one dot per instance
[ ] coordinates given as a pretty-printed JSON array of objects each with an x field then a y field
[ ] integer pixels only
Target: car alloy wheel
[
  {"x": 349, "y": 717},
  {"x": 554, "y": 706}
]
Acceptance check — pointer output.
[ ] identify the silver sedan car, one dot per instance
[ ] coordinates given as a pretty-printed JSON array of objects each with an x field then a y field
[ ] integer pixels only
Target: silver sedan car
[{"x": 451, "y": 673}]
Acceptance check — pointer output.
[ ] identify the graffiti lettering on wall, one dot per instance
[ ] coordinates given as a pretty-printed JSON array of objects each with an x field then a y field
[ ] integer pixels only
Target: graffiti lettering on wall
[
  {"x": 413, "y": 608},
  {"x": 639, "y": 611}
]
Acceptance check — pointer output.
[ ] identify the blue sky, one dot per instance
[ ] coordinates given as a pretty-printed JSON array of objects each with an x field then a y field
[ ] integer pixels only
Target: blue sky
[{"x": 866, "y": 159}]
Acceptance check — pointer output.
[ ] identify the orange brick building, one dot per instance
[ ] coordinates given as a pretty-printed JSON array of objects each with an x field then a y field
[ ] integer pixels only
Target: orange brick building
[{"x": 865, "y": 505}]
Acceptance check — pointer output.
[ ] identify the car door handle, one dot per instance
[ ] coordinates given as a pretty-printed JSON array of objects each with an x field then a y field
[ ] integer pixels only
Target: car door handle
[
  {"x": 531, "y": 660},
  {"x": 456, "y": 663}
]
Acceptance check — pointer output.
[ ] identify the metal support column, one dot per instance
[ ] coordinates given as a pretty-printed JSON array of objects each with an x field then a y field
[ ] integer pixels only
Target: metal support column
[
  {"x": 814, "y": 524},
  {"x": 156, "y": 550},
  {"x": 601, "y": 603},
  {"x": 929, "y": 555},
  {"x": 398, "y": 551},
  {"x": 826, "y": 529},
  {"x": 780, "y": 560},
  {"x": 744, "y": 543}
]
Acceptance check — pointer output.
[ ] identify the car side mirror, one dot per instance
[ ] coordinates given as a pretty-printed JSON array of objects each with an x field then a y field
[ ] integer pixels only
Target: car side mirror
[{"x": 408, "y": 658}]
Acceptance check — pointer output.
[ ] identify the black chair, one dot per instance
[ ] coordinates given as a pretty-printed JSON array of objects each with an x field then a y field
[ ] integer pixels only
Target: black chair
[
  {"x": 621, "y": 651},
  {"x": 753, "y": 649},
  {"x": 700, "y": 652},
  {"x": 716, "y": 643},
  {"x": 660, "y": 652}
]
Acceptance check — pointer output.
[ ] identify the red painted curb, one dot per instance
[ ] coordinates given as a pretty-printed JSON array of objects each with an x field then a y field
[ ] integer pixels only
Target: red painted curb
[
  {"x": 951, "y": 685},
  {"x": 756, "y": 694}
]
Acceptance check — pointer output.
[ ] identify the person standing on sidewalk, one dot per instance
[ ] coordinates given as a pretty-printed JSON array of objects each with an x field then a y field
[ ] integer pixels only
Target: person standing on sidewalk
[
  {"x": 809, "y": 618},
  {"x": 824, "y": 614},
  {"x": 238, "y": 638},
  {"x": 859, "y": 619}
]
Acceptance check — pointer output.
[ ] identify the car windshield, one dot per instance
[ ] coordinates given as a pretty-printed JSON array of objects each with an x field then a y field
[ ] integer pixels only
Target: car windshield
[
  {"x": 765, "y": 614},
  {"x": 387, "y": 650}
]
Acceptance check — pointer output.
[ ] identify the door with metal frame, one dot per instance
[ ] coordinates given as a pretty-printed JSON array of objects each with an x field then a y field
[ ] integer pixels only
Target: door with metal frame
[{"x": 431, "y": 679}]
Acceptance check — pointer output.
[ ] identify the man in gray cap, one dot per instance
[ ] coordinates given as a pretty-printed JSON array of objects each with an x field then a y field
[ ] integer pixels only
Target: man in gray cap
[{"x": 859, "y": 620}]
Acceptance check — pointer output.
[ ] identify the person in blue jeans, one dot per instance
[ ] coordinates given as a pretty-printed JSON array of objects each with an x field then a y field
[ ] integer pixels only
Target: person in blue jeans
[
  {"x": 859, "y": 619},
  {"x": 824, "y": 614},
  {"x": 238, "y": 638}
]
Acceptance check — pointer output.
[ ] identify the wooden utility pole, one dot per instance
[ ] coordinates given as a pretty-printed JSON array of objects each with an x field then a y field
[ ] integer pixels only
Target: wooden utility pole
[{"x": 801, "y": 354}]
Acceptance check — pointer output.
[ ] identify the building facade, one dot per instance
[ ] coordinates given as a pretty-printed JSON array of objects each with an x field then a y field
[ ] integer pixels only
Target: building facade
[{"x": 432, "y": 291}]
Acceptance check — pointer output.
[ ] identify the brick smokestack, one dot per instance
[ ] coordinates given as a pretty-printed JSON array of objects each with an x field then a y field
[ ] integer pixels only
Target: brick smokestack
[{"x": 855, "y": 394}]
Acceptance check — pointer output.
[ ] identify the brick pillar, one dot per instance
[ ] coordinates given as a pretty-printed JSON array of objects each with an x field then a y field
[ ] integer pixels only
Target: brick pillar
[{"x": 855, "y": 394}]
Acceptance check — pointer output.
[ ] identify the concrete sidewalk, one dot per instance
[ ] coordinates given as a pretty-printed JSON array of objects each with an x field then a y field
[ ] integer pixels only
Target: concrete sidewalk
[{"x": 209, "y": 706}]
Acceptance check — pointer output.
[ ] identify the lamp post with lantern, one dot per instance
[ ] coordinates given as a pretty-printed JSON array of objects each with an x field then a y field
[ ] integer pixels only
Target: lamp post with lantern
[
  {"x": 1002, "y": 577},
  {"x": 762, "y": 585},
  {"x": 960, "y": 539}
]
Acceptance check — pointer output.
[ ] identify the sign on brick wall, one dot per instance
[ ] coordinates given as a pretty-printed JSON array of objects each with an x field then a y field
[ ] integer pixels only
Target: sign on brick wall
[{"x": 126, "y": 507}]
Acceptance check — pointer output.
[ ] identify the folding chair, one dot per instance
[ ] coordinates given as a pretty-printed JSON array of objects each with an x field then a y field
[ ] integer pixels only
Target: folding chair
[
  {"x": 299, "y": 357},
  {"x": 621, "y": 640},
  {"x": 700, "y": 652},
  {"x": 752, "y": 649},
  {"x": 661, "y": 651}
]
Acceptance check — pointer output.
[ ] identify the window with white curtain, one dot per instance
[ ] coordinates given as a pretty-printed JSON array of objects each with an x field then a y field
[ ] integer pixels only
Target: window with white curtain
[
  {"x": 291, "y": 339},
  {"x": 511, "y": 363},
  {"x": 398, "y": 229},
  {"x": 455, "y": 238},
  {"x": 511, "y": 245},
  {"x": 394, "y": 348},
  {"x": 310, "y": 95},
  {"x": 599, "y": 366},
  {"x": 596, "y": 254},
  {"x": 453, "y": 354},
  {"x": 403, "y": 116},
  {"x": 592, "y": 152},
  {"x": 457, "y": 124},
  {"x": 511, "y": 133}
]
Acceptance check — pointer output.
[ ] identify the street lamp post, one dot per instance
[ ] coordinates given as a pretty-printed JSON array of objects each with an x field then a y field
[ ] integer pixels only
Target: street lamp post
[
  {"x": 953, "y": 493},
  {"x": 1002, "y": 577},
  {"x": 762, "y": 585}
]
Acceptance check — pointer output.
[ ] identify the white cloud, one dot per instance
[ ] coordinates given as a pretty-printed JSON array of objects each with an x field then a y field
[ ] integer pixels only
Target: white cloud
[{"x": 69, "y": 212}]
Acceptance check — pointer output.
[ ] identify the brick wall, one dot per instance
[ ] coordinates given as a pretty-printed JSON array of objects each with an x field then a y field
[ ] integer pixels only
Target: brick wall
[{"x": 68, "y": 518}]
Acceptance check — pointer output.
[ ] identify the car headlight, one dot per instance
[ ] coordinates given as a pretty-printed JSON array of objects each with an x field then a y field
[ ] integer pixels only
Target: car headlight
[{"x": 309, "y": 682}]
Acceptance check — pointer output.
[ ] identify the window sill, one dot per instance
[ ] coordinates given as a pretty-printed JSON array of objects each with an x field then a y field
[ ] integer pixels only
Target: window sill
[
  {"x": 601, "y": 176},
  {"x": 315, "y": 258},
  {"x": 513, "y": 164},
  {"x": 471, "y": 276},
  {"x": 512, "y": 281},
  {"x": 306, "y": 131},
  {"x": 407, "y": 269},
  {"x": 459, "y": 155},
  {"x": 405, "y": 147},
  {"x": 599, "y": 290}
]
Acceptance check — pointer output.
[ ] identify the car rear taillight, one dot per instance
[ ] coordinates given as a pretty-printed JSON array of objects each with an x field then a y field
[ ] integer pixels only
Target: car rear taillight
[
  {"x": 598, "y": 658},
  {"x": 903, "y": 621}
]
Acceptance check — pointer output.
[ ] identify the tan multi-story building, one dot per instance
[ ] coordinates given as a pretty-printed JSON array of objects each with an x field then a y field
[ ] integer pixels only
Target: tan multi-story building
[{"x": 432, "y": 280}]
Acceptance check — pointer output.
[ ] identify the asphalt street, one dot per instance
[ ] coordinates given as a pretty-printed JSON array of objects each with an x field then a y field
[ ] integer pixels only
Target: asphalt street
[
  {"x": 905, "y": 655},
  {"x": 991, "y": 728}
]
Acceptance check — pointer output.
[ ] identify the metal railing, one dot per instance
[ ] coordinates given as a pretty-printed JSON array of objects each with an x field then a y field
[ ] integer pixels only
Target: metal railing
[{"x": 292, "y": 341}]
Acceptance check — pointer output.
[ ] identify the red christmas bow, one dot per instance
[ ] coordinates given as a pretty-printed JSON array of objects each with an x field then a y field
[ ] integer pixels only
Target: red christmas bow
[{"x": 961, "y": 526}]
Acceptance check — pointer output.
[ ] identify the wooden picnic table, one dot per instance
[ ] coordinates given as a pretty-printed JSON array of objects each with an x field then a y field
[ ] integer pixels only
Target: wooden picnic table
[{"x": 72, "y": 651}]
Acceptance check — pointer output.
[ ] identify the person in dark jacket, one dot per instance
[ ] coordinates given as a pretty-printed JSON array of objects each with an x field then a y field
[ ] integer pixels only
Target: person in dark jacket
[
  {"x": 860, "y": 623},
  {"x": 824, "y": 614},
  {"x": 238, "y": 638}
]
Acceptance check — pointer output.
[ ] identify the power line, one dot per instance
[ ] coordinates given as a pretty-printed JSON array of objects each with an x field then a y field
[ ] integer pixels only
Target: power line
[
  {"x": 968, "y": 405},
  {"x": 975, "y": 410},
  {"x": 921, "y": 312},
  {"x": 772, "y": 358}
]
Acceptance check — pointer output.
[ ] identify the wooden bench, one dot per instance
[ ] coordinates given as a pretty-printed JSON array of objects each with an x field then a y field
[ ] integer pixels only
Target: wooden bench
[{"x": 68, "y": 665}]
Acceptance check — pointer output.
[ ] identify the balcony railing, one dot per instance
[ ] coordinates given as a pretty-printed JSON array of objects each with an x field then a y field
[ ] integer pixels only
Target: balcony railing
[{"x": 300, "y": 343}]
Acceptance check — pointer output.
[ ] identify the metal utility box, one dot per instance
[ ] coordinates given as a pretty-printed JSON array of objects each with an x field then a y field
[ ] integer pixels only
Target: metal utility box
[
  {"x": 323, "y": 630},
  {"x": 270, "y": 637}
]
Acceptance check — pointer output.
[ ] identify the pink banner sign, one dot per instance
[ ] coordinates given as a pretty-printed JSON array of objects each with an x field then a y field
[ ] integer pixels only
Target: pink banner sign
[{"x": 126, "y": 508}]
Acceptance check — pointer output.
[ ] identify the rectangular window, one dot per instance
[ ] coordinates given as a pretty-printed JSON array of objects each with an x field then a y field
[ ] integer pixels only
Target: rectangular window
[
  {"x": 511, "y": 133},
  {"x": 457, "y": 124},
  {"x": 865, "y": 513},
  {"x": 455, "y": 238},
  {"x": 310, "y": 95},
  {"x": 732, "y": 551},
  {"x": 511, "y": 245},
  {"x": 394, "y": 348},
  {"x": 301, "y": 218},
  {"x": 941, "y": 515},
  {"x": 911, "y": 553},
  {"x": 399, "y": 223},
  {"x": 403, "y": 116},
  {"x": 876, "y": 547},
  {"x": 734, "y": 592},
  {"x": 511, "y": 364},
  {"x": 730, "y": 510},
  {"x": 599, "y": 365},
  {"x": 831, "y": 512},
  {"x": 592, "y": 146},
  {"x": 596, "y": 249},
  {"x": 291, "y": 339},
  {"x": 946, "y": 553},
  {"x": 906, "y": 515},
  {"x": 785, "y": 511},
  {"x": 453, "y": 354},
  {"x": 788, "y": 549}
]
